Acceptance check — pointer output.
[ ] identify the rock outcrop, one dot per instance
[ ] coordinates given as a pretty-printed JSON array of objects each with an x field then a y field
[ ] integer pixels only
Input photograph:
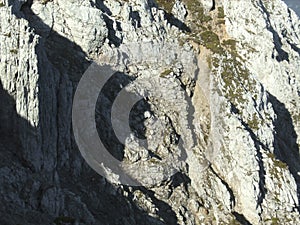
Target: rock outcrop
[{"x": 221, "y": 88}]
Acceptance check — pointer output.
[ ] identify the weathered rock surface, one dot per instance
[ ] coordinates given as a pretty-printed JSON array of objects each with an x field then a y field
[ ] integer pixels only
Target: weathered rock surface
[{"x": 226, "y": 82}]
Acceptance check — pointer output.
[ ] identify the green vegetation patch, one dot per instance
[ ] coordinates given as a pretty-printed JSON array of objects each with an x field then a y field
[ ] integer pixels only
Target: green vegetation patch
[
  {"x": 237, "y": 81},
  {"x": 277, "y": 162},
  {"x": 198, "y": 12},
  {"x": 14, "y": 51},
  {"x": 225, "y": 60},
  {"x": 211, "y": 41},
  {"x": 221, "y": 13},
  {"x": 61, "y": 220},
  {"x": 165, "y": 73},
  {"x": 167, "y": 5},
  {"x": 274, "y": 221},
  {"x": 7, "y": 35},
  {"x": 44, "y": 2},
  {"x": 230, "y": 43},
  {"x": 254, "y": 123}
]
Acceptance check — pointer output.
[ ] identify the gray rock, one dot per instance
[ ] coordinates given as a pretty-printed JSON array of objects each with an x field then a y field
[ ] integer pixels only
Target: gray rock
[{"x": 232, "y": 115}]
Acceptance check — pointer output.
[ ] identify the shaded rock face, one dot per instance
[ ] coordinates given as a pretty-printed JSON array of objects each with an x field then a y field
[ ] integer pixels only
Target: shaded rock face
[{"x": 237, "y": 111}]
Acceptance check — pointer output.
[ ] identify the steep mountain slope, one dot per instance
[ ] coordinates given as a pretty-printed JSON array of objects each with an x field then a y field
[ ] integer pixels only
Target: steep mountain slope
[
  {"x": 293, "y": 5},
  {"x": 220, "y": 77}
]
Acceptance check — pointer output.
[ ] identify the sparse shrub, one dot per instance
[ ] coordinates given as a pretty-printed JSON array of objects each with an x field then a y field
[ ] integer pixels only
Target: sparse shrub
[{"x": 14, "y": 51}]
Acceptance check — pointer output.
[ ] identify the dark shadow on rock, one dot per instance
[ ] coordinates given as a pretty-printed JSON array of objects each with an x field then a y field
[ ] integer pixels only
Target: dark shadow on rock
[
  {"x": 164, "y": 210},
  {"x": 10, "y": 125},
  {"x": 178, "y": 179},
  {"x": 100, "y": 5},
  {"x": 8, "y": 115},
  {"x": 285, "y": 142},
  {"x": 63, "y": 54},
  {"x": 137, "y": 118},
  {"x": 294, "y": 47},
  {"x": 112, "y": 37},
  {"x": 16, "y": 172},
  {"x": 289, "y": 41},
  {"x": 9, "y": 136},
  {"x": 241, "y": 219},
  {"x": 259, "y": 146},
  {"x": 135, "y": 18},
  {"x": 282, "y": 55},
  {"x": 176, "y": 22},
  {"x": 213, "y": 6},
  {"x": 79, "y": 186},
  {"x": 104, "y": 105}
]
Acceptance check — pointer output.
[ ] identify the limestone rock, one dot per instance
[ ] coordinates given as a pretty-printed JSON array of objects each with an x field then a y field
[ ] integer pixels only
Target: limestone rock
[
  {"x": 221, "y": 97},
  {"x": 208, "y": 4}
]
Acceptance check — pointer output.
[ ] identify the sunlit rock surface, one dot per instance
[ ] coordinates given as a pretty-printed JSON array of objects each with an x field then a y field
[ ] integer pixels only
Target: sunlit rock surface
[{"x": 226, "y": 82}]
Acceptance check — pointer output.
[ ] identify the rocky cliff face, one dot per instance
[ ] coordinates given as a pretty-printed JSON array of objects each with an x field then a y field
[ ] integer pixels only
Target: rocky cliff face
[{"x": 222, "y": 75}]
